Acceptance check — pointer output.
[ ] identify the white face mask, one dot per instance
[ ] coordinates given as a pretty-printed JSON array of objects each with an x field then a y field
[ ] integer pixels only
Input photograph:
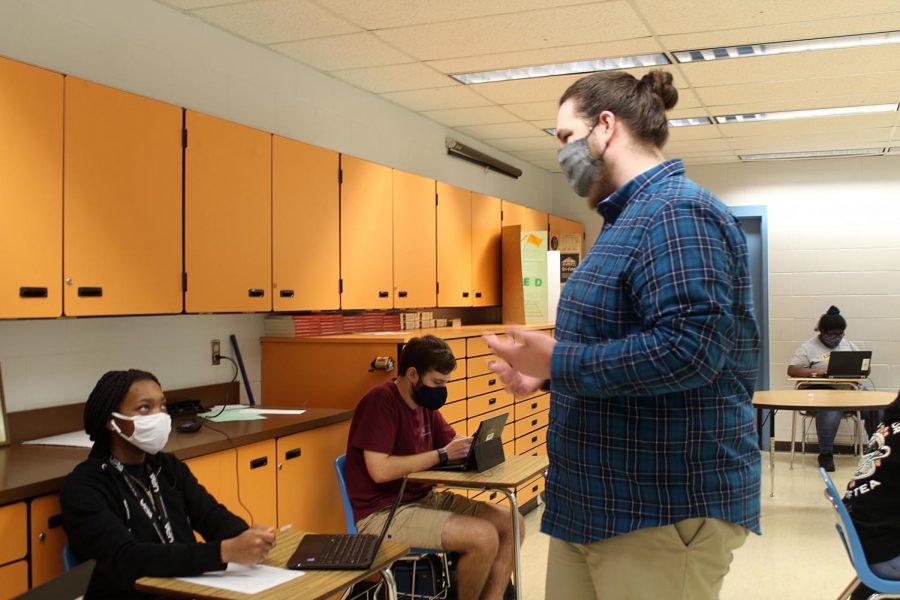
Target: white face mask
[{"x": 151, "y": 432}]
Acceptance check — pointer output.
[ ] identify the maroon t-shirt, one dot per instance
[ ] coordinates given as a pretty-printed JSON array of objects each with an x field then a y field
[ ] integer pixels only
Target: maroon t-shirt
[{"x": 384, "y": 423}]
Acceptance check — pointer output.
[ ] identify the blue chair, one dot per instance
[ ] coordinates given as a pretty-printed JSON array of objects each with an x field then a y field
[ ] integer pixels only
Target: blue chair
[
  {"x": 69, "y": 560},
  {"x": 887, "y": 588},
  {"x": 415, "y": 554}
]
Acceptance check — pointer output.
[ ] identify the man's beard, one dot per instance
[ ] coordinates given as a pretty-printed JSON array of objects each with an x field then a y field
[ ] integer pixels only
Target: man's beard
[{"x": 602, "y": 187}]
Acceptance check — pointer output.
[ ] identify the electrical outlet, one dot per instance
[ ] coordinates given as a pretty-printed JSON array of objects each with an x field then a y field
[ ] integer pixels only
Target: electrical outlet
[{"x": 216, "y": 348}]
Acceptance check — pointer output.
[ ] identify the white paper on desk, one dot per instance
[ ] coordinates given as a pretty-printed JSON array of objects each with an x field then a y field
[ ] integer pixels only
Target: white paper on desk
[
  {"x": 247, "y": 579},
  {"x": 219, "y": 407},
  {"x": 78, "y": 439},
  {"x": 277, "y": 411}
]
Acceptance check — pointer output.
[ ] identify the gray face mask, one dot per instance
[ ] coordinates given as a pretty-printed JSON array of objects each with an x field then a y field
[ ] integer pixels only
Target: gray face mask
[{"x": 579, "y": 167}]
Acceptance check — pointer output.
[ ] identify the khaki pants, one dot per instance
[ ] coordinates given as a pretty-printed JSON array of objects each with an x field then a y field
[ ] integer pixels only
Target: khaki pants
[{"x": 685, "y": 561}]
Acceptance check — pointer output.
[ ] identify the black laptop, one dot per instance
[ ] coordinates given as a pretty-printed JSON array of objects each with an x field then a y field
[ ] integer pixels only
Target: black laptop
[
  {"x": 349, "y": 551},
  {"x": 854, "y": 364},
  {"x": 486, "y": 450},
  {"x": 71, "y": 585}
]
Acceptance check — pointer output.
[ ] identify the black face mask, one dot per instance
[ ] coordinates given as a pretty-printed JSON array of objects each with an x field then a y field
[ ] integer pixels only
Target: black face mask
[{"x": 430, "y": 397}]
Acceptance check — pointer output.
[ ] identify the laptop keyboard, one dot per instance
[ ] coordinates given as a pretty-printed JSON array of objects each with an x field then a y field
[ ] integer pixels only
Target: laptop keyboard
[{"x": 348, "y": 549}]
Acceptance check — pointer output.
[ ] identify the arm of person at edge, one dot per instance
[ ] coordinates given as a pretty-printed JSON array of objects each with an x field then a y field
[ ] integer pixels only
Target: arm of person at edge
[
  {"x": 386, "y": 467},
  {"x": 685, "y": 310}
]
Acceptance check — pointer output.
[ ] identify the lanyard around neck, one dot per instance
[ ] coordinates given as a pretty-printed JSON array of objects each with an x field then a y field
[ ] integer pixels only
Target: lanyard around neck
[{"x": 155, "y": 509}]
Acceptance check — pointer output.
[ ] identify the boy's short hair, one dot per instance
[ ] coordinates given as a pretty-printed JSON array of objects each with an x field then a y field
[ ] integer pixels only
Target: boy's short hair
[{"x": 427, "y": 353}]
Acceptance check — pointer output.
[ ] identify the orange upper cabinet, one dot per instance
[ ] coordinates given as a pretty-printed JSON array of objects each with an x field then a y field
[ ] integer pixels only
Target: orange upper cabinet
[
  {"x": 560, "y": 225},
  {"x": 122, "y": 223},
  {"x": 31, "y": 176},
  {"x": 415, "y": 259},
  {"x": 227, "y": 216},
  {"x": 366, "y": 235},
  {"x": 305, "y": 226},
  {"x": 485, "y": 250},
  {"x": 529, "y": 218},
  {"x": 454, "y": 246}
]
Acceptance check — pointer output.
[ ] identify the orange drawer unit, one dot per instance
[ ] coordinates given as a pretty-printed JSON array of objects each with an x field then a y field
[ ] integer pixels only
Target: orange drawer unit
[
  {"x": 526, "y": 408},
  {"x": 487, "y": 402},
  {"x": 461, "y": 428},
  {"x": 256, "y": 476},
  {"x": 458, "y": 347},
  {"x": 14, "y": 526},
  {"x": 483, "y": 384},
  {"x": 479, "y": 365},
  {"x": 530, "y": 490},
  {"x": 460, "y": 372},
  {"x": 47, "y": 539},
  {"x": 529, "y": 424},
  {"x": 475, "y": 346},
  {"x": 456, "y": 390},
  {"x": 454, "y": 411},
  {"x": 13, "y": 579},
  {"x": 535, "y": 438}
]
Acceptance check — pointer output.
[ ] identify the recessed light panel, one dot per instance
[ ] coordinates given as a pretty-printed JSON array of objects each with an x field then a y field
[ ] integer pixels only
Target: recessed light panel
[
  {"x": 689, "y": 122},
  {"x": 806, "y": 114},
  {"x": 829, "y": 43},
  {"x": 813, "y": 154},
  {"x": 569, "y": 68}
]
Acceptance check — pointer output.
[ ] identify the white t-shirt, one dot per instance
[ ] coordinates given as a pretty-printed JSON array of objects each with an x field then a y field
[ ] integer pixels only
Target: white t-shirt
[{"x": 813, "y": 354}]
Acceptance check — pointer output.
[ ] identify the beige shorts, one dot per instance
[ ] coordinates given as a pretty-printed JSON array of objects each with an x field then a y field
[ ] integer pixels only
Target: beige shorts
[{"x": 420, "y": 524}]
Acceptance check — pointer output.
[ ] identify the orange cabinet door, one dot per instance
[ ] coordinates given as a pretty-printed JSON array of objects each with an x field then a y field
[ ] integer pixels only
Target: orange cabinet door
[
  {"x": 486, "y": 228},
  {"x": 367, "y": 268},
  {"x": 308, "y": 494},
  {"x": 256, "y": 479},
  {"x": 454, "y": 246},
  {"x": 14, "y": 528},
  {"x": 13, "y": 579},
  {"x": 31, "y": 180},
  {"x": 415, "y": 250},
  {"x": 306, "y": 267},
  {"x": 227, "y": 216},
  {"x": 529, "y": 218},
  {"x": 122, "y": 224},
  {"x": 47, "y": 539}
]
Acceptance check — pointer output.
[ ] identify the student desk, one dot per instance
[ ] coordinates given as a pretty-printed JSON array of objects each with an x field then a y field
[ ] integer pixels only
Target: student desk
[
  {"x": 313, "y": 585},
  {"x": 836, "y": 383},
  {"x": 776, "y": 400},
  {"x": 503, "y": 478}
]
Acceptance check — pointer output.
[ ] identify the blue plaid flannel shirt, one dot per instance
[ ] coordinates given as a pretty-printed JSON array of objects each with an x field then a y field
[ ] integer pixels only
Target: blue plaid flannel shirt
[{"x": 651, "y": 420}]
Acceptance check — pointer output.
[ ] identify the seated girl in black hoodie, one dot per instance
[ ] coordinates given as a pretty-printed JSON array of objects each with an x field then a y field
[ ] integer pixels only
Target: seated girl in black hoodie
[{"x": 134, "y": 509}]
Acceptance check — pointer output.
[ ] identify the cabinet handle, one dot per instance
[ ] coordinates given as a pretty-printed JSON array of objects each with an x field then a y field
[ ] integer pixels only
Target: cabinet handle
[
  {"x": 32, "y": 292},
  {"x": 492, "y": 496},
  {"x": 259, "y": 462},
  {"x": 465, "y": 294},
  {"x": 402, "y": 294},
  {"x": 256, "y": 292},
  {"x": 492, "y": 401},
  {"x": 478, "y": 294},
  {"x": 42, "y": 536},
  {"x": 534, "y": 488},
  {"x": 287, "y": 293},
  {"x": 383, "y": 294},
  {"x": 534, "y": 421},
  {"x": 534, "y": 439},
  {"x": 533, "y": 405},
  {"x": 295, "y": 453},
  {"x": 492, "y": 382},
  {"x": 54, "y": 521},
  {"x": 90, "y": 292}
]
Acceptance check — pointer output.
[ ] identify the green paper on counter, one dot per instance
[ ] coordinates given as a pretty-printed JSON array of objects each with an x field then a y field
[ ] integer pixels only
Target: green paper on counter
[{"x": 233, "y": 415}]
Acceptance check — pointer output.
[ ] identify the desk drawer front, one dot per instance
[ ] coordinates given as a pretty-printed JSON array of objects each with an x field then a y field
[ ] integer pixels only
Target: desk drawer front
[
  {"x": 458, "y": 347},
  {"x": 483, "y": 384},
  {"x": 487, "y": 402},
  {"x": 14, "y": 527},
  {"x": 479, "y": 365},
  {"x": 532, "y": 406},
  {"x": 526, "y": 492},
  {"x": 475, "y": 346},
  {"x": 456, "y": 390},
  {"x": 529, "y": 424},
  {"x": 454, "y": 411},
  {"x": 460, "y": 372},
  {"x": 529, "y": 441}
]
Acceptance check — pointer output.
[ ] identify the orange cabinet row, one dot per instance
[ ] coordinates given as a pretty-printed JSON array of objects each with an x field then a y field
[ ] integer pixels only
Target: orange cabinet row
[{"x": 112, "y": 204}]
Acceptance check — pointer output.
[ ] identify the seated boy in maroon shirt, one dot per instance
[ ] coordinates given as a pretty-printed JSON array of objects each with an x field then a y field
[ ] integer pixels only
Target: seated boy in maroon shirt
[{"x": 397, "y": 430}]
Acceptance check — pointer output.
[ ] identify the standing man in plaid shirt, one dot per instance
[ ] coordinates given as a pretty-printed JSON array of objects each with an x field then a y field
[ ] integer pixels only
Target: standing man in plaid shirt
[{"x": 654, "y": 466}]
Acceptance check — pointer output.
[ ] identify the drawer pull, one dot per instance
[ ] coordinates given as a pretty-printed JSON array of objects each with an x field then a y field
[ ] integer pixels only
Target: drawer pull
[
  {"x": 492, "y": 382},
  {"x": 534, "y": 438},
  {"x": 383, "y": 294},
  {"x": 54, "y": 521},
  {"x": 286, "y": 293},
  {"x": 295, "y": 453},
  {"x": 492, "y": 401},
  {"x": 256, "y": 292},
  {"x": 402, "y": 293},
  {"x": 534, "y": 488},
  {"x": 533, "y": 405},
  {"x": 534, "y": 421},
  {"x": 465, "y": 294},
  {"x": 259, "y": 462},
  {"x": 492, "y": 496},
  {"x": 32, "y": 292},
  {"x": 478, "y": 294},
  {"x": 90, "y": 292}
]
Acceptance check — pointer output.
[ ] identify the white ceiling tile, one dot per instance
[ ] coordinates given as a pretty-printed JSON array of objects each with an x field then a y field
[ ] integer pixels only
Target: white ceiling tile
[
  {"x": 545, "y": 124},
  {"x": 545, "y": 56},
  {"x": 824, "y": 140},
  {"x": 545, "y": 154},
  {"x": 698, "y": 132},
  {"x": 458, "y": 96},
  {"x": 710, "y": 160},
  {"x": 395, "y": 78},
  {"x": 548, "y": 165},
  {"x": 667, "y": 17},
  {"x": 822, "y": 87},
  {"x": 830, "y": 125},
  {"x": 503, "y": 130},
  {"x": 531, "y": 111},
  {"x": 518, "y": 31},
  {"x": 707, "y": 145},
  {"x": 526, "y": 143},
  {"x": 470, "y": 116},
  {"x": 194, "y": 4},
  {"x": 349, "y": 51},
  {"x": 381, "y": 14},
  {"x": 777, "y": 104},
  {"x": 273, "y": 21}
]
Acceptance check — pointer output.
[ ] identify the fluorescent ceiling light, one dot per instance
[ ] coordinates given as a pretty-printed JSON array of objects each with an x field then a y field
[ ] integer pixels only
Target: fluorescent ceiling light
[
  {"x": 569, "y": 68},
  {"x": 807, "y": 114},
  {"x": 551, "y": 131},
  {"x": 829, "y": 43},
  {"x": 689, "y": 122},
  {"x": 813, "y": 154}
]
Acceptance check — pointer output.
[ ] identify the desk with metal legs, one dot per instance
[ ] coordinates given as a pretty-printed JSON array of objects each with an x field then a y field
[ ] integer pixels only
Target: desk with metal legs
[
  {"x": 843, "y": 383},
  {"x": 775, "y": 400}
]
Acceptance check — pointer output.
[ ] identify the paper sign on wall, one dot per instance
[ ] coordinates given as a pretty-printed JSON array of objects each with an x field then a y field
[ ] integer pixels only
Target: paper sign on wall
[{"x": 533, "y": 245}]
